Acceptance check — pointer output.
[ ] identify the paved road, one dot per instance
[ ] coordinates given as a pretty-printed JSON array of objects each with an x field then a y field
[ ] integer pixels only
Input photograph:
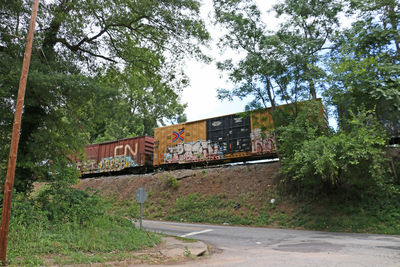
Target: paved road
[{"x": 248, "y": 246}]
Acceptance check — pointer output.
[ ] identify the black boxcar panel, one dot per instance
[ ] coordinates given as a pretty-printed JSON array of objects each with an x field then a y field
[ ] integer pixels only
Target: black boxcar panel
[{"x": 232, "y": 133}]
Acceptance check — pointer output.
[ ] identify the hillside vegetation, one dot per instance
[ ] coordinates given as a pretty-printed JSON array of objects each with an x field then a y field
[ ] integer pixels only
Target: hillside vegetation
[
  {"x": 242, "y": 195},
  {"x": 59, "y": 225}
]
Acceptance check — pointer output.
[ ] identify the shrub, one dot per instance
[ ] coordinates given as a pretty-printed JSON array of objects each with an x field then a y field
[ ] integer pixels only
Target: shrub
[
  {"x": 315, "y": 162},
  {"x": 63, "y": 203}
]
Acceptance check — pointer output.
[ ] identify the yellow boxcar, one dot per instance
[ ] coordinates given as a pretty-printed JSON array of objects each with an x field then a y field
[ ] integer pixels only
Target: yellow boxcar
[{"x": 220, "y": 139}]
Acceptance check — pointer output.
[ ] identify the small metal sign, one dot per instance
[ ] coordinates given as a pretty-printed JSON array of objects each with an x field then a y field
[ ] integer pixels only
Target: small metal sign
[
  {"x": 141, "y": 195},
  {"x": 141, "y": 198}
]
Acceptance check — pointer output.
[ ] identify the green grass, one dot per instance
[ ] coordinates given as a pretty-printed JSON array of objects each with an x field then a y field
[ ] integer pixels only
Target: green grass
[
  {"x": 61, "y": 233},
  {"x": 380, "y": 216},
  {"x": 369, "y": 215}
]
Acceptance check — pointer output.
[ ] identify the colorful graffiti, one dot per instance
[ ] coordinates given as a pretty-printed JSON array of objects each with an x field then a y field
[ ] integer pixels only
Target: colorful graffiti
[
  {"x": 87, "y": 166},
  {"x": 107, "y": 164},
  {"x": 262, "y": 142},
  {"x": 193, "y": 152},
  {"x": 115, "y": 163}
]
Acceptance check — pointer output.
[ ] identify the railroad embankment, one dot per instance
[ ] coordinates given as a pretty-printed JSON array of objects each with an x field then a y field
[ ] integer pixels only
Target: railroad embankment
[
  {"x": 232, "y": 181},
  {"x": 234, "y": 194},
  {"x": 244, "y": 194}
]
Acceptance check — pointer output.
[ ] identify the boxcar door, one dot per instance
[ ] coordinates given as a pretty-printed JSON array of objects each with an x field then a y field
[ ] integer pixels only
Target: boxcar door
[{"x": 232, "y": 133}]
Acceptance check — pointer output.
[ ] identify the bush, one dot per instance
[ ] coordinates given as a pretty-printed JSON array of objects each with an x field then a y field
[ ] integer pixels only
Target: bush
[
  {"x": 62, "y": 203},
  {"x": 314, "y": 162}
]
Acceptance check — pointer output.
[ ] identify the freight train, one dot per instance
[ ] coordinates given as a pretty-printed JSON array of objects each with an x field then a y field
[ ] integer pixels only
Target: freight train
[{"x": 235, "y": 137}]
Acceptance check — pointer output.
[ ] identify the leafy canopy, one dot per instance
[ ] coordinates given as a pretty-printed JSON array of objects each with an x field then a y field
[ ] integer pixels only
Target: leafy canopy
[
  {"x": 100, "y": 70},
  {"x": 282, "y": 65}
]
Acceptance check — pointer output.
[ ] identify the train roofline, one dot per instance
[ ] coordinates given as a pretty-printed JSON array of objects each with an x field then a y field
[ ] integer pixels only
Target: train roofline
[
  {"x": 118, "y": 140},
  {"x": 236, "y": 113}
]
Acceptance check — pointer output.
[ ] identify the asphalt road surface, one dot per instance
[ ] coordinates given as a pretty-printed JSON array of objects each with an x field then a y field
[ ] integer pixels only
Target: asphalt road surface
[{"x": 250, "y": 246}]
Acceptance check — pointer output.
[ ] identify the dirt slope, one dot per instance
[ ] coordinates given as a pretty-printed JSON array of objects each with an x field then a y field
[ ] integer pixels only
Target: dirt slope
[{"x": 231, "y": 181}]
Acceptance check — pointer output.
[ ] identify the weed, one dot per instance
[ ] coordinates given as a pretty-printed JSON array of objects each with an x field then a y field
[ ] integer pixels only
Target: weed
[
  {"x": 171, "y": 182},
  {"x": 161, "y": 202},
  {"x": 185, "y": 239},
  {"x": 187, "y": 252}
]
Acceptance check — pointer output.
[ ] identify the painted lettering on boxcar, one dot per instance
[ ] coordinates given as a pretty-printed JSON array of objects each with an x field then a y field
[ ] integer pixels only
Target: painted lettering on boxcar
[
  {"x": 262, "y": 142},
  {"x": 116, "y": 163},
  {"x": 124, "y": 157},
  {"x": 87, "y": 166},
  {"x": 193, "y": 152}
]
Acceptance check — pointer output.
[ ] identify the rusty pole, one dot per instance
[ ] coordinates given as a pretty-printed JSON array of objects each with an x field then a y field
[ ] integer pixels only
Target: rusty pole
[{"x": 8, "y": 186}]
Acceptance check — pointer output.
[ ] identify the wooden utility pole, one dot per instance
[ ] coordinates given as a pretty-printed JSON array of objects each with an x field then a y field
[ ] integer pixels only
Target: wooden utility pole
[{"x": 12, "y": 160}]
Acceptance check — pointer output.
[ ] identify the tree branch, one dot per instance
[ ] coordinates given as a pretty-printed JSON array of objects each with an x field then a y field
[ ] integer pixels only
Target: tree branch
[{"x": 97, "y": 55}]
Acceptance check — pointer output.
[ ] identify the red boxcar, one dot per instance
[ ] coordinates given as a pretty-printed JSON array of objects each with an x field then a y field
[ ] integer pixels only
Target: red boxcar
[{"x": 117, "y": 156}]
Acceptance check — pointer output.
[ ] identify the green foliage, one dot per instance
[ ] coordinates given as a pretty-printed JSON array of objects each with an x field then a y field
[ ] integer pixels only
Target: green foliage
[
  {"x": 314, "y": 162},
  {"x": 62, "y": 203},
  {"x": 364, "y": 65},
  {"x": 171, "y": 182},
  {"x": 198, "y": 208},
  {"x": 298, "y": 122},
  {"x": 346, "y": 214},
  {"x": 63, "y": 170},
  {"x": 343, "y": 213},
  {"x": 71, "y": 225},
  {"x": 99, "y": 71},
  {"x": 281, "y": 65}
]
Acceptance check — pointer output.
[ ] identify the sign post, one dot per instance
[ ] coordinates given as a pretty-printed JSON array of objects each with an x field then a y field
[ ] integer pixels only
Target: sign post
[{"x": 141, "y": 198}]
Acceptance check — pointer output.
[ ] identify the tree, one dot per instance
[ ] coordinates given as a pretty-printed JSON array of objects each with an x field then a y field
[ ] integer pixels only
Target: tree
[
  {"x": 259, "y": 72},
  {"x": 282, "y": 65},
  {"x": 365, "y": 64},
  {"x": 132, "y": 112},
  {"x": 307, "y": 29},
  {"x": 96, "y": 64}
]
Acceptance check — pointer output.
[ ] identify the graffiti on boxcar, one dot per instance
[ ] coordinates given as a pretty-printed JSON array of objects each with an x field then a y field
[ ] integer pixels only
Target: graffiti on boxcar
[
  {"x": 124, "y": 157},
  {"x": 262, "y": 142},
  {"x": 193, "y": 152},
  {"x": 116, "y": 163},
  {"x": 87, "y": 166}
]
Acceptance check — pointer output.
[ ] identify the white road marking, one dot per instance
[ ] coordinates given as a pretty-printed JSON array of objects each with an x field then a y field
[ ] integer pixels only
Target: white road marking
[{"x": 196, "y": 233}]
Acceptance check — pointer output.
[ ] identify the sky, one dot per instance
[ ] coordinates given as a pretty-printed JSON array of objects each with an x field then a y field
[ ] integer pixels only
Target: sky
[{"x": 205, "y": 79}]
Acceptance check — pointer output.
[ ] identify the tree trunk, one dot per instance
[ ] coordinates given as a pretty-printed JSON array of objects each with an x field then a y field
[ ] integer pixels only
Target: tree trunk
[
  {"x": 310, "y": 82},
  {"x": 271, "y": 99},
  {"x": 51, "y": 33}
]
